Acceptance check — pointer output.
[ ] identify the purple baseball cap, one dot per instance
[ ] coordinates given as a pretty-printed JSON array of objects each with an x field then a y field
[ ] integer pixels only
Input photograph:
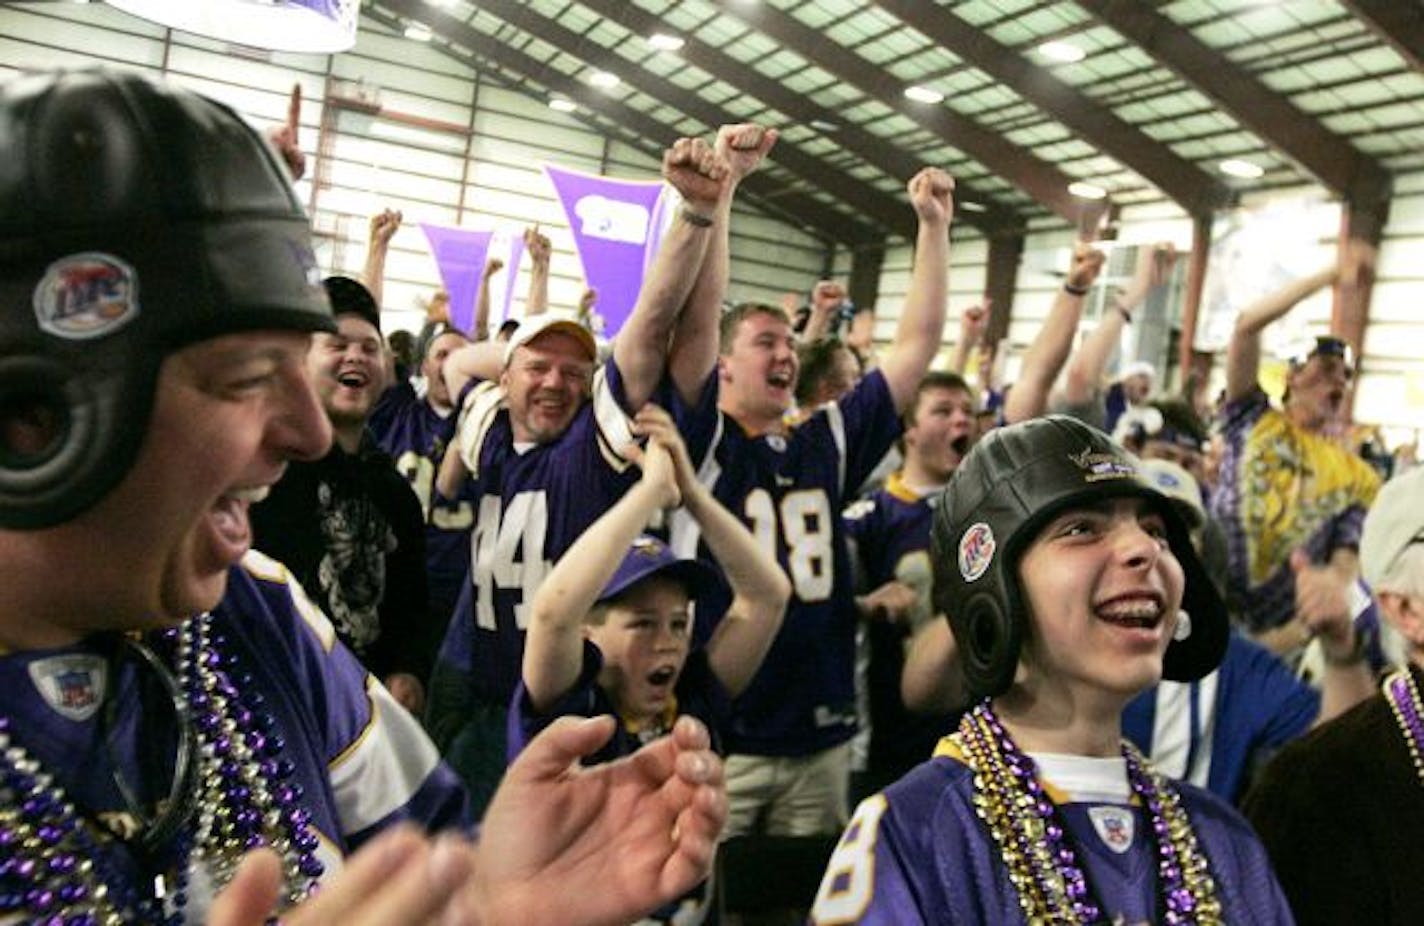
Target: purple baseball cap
[{"x": 649, "y": 556}]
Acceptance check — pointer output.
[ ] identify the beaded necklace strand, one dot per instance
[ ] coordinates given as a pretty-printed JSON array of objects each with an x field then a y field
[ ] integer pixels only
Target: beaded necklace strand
[
  {"x": 1404, "y": 702},
  {"x": 52, "y": 868},
  {"x": 1035, "y": 846}
]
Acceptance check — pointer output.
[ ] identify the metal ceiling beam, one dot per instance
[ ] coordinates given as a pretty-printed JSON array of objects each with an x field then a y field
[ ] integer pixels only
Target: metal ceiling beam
[
  {"x": 654, "y": 135},
  {"x": 1039, "y": 179},
  {"x": 875, "y": 150},
  {"x": 1399, "y": 24},
  {"x": 1331, "y": 159},
  {"x": 893, "y": 213},
  {"x": 1193, "y": 188}
]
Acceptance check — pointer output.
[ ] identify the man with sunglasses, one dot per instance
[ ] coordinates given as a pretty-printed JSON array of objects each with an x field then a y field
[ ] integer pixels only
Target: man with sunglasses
[{"x": 1290, "y": 497}]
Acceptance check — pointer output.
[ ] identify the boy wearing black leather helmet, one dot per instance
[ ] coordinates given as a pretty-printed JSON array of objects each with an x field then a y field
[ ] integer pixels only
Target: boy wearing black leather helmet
[{"x": 1070, "y": 584}]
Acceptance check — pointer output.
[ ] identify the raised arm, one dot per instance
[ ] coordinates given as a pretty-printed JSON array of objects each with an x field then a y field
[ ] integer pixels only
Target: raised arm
[
  {"x": 1085, "y": 369},
  {"x": 921, "y": 327},
  {"x": 826, "y": 297},
  {"x": 553, "y": 648},
  {"x": 540, "y": 253},
  {"x": 760, "y": 589},
  {"x": 480, "y": 328},
  {"x": 384, "y": 225},
  {"x": 478, "y": 360},
  {"x": 641, "y": 347},
  {"x": 1243, "y": 353},
  {"x": 1050, "y": 347},
  {"x": 972, "y": 323},
  {"x": 693, "y": 353},
  {"x": 284, "y": 137}
]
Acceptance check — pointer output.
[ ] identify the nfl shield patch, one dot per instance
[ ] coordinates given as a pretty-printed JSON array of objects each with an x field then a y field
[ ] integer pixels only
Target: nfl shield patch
[
  {"x": 1114, "y": 825},
  {"x": 73, "y": 685}
]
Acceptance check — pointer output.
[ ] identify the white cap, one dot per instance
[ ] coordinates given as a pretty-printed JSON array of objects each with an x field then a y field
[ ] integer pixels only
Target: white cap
[
  {"x": 1395, "y": 520},
  {"x": 531, "y": 328},
  {"x": 1138, "y": 368},
  {"x": 1178, "y": 485}
]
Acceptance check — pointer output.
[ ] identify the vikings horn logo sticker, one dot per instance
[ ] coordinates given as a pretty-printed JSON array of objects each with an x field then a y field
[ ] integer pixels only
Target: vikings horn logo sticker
[{"x": 976, "y": 551}]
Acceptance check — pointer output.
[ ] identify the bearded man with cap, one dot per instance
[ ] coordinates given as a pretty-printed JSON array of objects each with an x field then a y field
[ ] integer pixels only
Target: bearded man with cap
[
  {"x": 1284, "y": 483},
  {"x": 1071, "y": 585},
  {"x": 542, "y": 445},
  {"x": 173, "y": 701},
  {"x": 1341, "y": 811}
]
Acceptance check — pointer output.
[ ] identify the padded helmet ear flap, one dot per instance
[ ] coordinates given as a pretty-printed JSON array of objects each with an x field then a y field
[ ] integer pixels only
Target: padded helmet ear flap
[
  {"x": 988, "y": 639},
  {"x": 62, "y": 447}
]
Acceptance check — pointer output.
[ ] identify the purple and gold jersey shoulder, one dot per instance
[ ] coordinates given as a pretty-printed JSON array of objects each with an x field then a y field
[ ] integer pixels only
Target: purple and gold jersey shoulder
[{"x": 357, "y": 760}]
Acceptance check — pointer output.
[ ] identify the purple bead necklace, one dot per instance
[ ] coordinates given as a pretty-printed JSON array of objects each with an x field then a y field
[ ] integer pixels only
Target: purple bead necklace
[
  {"x": 1404, "y": 702},
  {"x": 1038, "y": 851},
  {"x": 54, "y": 871}
]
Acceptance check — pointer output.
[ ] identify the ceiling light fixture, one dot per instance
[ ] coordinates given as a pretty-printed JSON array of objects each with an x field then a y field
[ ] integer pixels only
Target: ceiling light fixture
[
  {"x": 1062, "y": 51},
  {"x": 823, "y": 125},
  {"x": 1236, "y": 167},
  {"x": 664, "y": 42},
  {"x": 603, "y": 79},
  {"x": 419, "y": 32},
  {"x": 923, "y": 94},
  {"x": 443, "y": 4},
  {"x": 970, "y": 206},
  {"x": 1086, "y": 190},
  {"x": 562, "y": 105}
]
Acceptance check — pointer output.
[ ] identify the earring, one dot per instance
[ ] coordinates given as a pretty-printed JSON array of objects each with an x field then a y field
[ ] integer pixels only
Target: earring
[{"x": 1183, "y": 628}]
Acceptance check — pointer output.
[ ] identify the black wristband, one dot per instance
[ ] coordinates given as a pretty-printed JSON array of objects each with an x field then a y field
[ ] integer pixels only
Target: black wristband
[
  {"x": 1072, "y": 290},
  {"x": 695, "y": 218}
]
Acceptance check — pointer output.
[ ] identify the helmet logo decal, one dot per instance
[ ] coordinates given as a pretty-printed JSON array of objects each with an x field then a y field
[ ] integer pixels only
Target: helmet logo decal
[
  {"x": 86, "y": 295},
  {"x": 976, "y": 551},
  {"x": 1097, "y": 466}
]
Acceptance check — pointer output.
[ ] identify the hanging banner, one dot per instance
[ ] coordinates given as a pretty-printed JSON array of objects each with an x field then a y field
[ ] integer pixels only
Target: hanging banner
[
  {"x": 321, "y": 26},
  {"x": 617, "y": 226},
  {"x": 460, "y": 255}
]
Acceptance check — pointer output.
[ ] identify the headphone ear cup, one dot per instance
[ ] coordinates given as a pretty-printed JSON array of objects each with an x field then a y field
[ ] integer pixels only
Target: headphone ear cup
[
  {"x": 49, "y": 438},
  {"x": 988, "y": 641}
]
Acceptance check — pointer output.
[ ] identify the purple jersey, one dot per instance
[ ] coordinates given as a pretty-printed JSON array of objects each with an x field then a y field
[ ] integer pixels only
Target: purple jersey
[
  {"x": 890, "y": 530},
  {"x": 918, "y": 853},
  {"x": 362, "y": 763},
  {"x": 532, "y": 503},
  {"x": 789, "y": 491},
  {"x": 698, "y": 693},
  {"x": 415, "y": 435}
]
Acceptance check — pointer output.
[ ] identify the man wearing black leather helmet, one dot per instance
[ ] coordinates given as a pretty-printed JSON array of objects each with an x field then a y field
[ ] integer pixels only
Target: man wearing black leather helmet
[
  {"x": 178, "y": 716},
  {"x": 1071, "y": 585}
]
